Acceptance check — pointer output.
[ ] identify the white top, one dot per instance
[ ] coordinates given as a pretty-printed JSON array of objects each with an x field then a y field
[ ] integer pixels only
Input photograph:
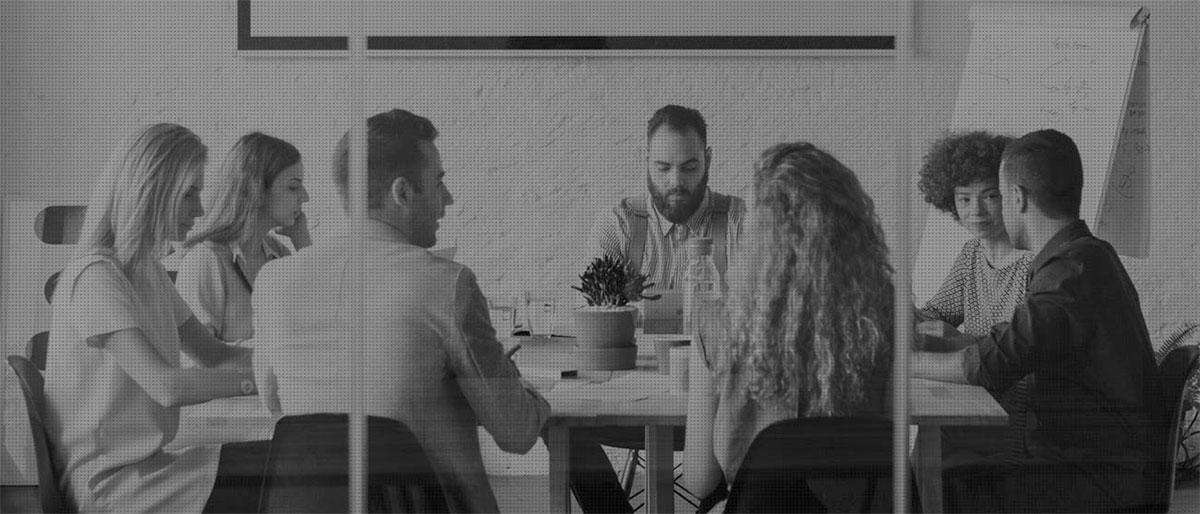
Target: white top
[
  {"x": 429, "y": 358},
  {"x": 108, "y": 434},
  {"x": 211, "y": 281}
]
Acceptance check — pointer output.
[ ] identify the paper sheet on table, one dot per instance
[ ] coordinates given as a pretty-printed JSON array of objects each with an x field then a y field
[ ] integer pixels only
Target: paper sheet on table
[
  {"x": 540, "y": 383},
  {"x": 232, "y": 407},
  {"x": 626, "y": 388}
]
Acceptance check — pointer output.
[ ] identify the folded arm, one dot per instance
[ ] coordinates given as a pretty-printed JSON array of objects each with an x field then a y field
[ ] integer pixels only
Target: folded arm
[{"x": 197, "y": 342}]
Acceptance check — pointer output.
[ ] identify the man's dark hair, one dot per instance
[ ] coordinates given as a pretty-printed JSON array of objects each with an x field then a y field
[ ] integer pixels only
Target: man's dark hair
[
  {"x": 680, "y": 119},
  {"x": 393, "y": 150},
  {"x": 1047, "y": 164}
]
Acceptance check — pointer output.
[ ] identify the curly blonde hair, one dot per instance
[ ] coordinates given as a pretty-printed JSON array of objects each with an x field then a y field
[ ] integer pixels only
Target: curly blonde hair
[{"x": 810, "y": 314}]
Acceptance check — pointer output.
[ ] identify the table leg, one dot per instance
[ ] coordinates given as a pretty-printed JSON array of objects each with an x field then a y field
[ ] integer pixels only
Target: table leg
[
  {"x": 660, "y": 469},
  {"x": 929, "y": 467},
  {"x": 559, "y": 446}
]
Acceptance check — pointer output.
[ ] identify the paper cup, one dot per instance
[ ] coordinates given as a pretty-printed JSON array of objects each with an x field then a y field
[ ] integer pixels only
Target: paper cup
[
  {"x": 661, "y": 355},
  {"x": 678, "y": 357}
]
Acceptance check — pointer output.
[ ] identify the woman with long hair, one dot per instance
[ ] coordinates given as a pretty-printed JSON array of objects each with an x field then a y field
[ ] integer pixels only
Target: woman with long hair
[
  {"x": 260, "y": 192},
  {"x": 113, "y": 380},
  {"x": 807, "y": 327}
]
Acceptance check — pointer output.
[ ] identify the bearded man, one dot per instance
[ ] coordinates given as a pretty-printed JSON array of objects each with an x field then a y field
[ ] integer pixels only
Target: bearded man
[{"x": 651, "y": 231}]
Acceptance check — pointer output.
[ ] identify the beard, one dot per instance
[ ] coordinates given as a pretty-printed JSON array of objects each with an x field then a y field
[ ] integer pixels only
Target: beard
[{"x": 679, "y": 203}]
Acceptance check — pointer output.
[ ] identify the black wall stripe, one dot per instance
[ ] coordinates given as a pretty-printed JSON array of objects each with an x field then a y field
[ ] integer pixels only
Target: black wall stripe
[
  {"x": 247, "y": 41},
  {"x": 633, "y": 43}
]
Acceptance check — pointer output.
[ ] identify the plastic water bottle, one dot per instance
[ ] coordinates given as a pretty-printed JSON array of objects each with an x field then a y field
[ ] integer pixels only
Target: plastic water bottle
[{"x": 701, "y": 283}]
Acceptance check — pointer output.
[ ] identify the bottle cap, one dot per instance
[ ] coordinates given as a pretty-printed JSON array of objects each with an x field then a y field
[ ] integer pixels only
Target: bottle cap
[{"x": 700, "y": 246}]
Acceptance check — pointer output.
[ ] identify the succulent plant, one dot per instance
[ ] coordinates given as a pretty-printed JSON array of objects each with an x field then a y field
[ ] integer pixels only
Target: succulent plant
[{"x": 612, "y": 282}]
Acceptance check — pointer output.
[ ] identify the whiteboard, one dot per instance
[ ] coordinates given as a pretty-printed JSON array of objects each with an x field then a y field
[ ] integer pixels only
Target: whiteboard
[{"x": 1020, "y": 77}]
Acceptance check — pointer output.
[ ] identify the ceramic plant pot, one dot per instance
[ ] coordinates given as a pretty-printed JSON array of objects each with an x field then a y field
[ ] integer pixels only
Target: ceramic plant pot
[{"x": 604, "y": 337}]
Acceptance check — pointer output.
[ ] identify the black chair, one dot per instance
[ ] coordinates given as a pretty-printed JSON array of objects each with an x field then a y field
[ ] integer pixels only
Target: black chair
[
  {"x": 51, "y": 285},
  {"x": 1174, "y": 371},
  {"x": 774, "y": 475},
  {"x": 52, "y": 498},
  {"x": 35, "y": 349},
  {"x": 307, "y": 468}
]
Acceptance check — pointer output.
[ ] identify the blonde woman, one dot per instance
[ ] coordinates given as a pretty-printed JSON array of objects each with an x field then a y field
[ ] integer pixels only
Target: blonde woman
[
  {"x": 113, "y": 381},
  {"x": 259, "y": 201},
  {"x": 807, "y": 329}
]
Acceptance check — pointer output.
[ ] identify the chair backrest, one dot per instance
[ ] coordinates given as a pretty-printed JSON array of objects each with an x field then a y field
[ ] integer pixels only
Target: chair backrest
[
  {"x": 1174, "y": 371},
  {"x": 308, "y": 462},
  {"x": 35, "y": 349},
  {"x": 52, "y": 498},
  {"x": 774, "y": 473}
]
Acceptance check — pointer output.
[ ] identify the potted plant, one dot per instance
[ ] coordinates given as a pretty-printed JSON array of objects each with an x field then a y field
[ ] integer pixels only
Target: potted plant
[{"x": 604, "y": 327}]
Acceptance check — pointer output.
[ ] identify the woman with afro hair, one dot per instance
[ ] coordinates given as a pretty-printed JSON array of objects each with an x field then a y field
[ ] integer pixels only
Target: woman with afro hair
[{"x": 960, "y": 176}]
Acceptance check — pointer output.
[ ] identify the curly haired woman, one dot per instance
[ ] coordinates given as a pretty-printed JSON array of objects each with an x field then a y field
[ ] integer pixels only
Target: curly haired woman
[
  {"x": 985, "y": 285},
  {"x": 987, "y": 281},
  {"x": 807, "y": 330}
]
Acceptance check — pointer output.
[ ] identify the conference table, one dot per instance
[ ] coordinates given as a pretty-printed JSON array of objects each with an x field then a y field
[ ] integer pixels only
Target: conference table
[
  {"x": 641, "y": 397},
  {"x": 933, "y": 405}
]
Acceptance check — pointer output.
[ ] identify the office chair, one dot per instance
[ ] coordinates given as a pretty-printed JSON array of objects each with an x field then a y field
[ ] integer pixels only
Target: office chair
[
  {"x": 52, "y": 498},
  {"x": 1175, "y": 370},
  {"x": 35, "y": 349},
  {"x": 308, "y": 463},
  {"x": 774, "y": 475}
]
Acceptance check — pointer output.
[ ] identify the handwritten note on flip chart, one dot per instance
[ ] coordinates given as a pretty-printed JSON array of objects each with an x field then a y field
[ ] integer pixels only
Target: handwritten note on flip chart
[
  {"x": 1124, "y": 218},
  {"x": 1021, "y": 77}
]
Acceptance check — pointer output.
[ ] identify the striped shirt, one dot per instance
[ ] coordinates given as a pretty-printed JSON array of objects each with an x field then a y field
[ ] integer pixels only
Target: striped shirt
[{"x": 664, "y": 257}]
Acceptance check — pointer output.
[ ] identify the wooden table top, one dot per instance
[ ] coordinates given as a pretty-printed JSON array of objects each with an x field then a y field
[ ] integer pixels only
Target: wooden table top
[
  {"x": 642, "y": 395},
  {"x": 637, "y": 397}
]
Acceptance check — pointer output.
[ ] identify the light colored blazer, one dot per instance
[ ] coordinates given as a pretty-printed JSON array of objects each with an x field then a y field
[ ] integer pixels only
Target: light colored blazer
[{"x": 405, "y": 334}]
